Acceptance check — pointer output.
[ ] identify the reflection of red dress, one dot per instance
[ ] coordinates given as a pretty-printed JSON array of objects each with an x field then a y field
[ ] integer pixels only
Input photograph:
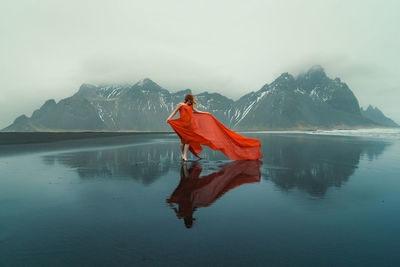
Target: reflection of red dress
[
  {"x": 195, "y": 191},
  {"x": 198, "y": 129}
]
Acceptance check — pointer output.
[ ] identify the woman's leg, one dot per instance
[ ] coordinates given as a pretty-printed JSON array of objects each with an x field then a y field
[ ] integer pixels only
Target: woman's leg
[
  {"x": 182, "y": 150},
  {"x": 185, "y": 150}
]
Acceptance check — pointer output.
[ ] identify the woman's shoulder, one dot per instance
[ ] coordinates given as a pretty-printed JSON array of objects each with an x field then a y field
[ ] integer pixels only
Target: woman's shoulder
[{"x": 181, "y": 104}]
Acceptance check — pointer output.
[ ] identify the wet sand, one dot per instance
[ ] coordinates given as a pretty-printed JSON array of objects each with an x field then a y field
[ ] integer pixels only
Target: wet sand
[{"x": 127, "y": 199}]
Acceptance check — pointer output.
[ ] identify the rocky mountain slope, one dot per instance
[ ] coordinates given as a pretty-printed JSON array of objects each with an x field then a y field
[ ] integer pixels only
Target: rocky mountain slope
[
  {"x": 377, "y": 116},
  {"x": 310, "y": 100}
]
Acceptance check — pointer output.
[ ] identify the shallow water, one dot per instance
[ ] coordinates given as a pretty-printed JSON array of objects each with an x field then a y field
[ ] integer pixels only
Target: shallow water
[{"x": 128, "y": 200}]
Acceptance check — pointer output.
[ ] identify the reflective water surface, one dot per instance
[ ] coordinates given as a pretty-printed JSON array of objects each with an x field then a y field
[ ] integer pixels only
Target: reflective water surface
[{"x": 129, "y": 200}]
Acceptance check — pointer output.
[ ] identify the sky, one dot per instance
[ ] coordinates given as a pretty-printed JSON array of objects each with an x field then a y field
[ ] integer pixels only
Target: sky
[{"x": 48, "y": 48}]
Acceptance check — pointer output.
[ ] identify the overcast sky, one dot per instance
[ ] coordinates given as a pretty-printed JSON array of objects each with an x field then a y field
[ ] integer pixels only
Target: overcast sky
[{"x": 49, "y": 48}]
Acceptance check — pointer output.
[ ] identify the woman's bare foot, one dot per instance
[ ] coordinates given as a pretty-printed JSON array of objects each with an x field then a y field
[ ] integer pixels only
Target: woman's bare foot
[{"x": 185, "y": 150}]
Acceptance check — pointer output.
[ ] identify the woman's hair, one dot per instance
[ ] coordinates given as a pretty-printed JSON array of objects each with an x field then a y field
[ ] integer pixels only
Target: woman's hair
[
  {"x": 189, "y": 99},
  {"x": 188, "y": 221}
]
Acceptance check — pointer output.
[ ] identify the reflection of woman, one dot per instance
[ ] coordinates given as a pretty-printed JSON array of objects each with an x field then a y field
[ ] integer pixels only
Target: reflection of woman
[
  {"x": 194, "y": 191},
  {"x": 196, "y": 128}
]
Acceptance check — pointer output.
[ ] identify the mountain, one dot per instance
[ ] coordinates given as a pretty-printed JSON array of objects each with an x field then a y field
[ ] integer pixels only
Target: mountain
[
  {"x": 143, "y": 106},
  {"x": 375, "y": 115},
  {"x": 310, "y": 100}
]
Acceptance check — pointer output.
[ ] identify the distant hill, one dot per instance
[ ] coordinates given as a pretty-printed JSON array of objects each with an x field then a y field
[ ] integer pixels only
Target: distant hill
[
  {"x": 377, "y": 116},
  {"x": 311, "y": 100}
]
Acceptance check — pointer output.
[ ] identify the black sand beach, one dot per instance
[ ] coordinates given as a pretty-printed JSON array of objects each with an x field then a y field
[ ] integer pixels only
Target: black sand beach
[{"x": 79, "y": 199}]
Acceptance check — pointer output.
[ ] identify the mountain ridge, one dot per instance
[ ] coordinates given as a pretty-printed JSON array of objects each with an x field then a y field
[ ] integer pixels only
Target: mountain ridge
[
  {"x": 377, "y": 116},
  {"x": 311, "y": 100}
]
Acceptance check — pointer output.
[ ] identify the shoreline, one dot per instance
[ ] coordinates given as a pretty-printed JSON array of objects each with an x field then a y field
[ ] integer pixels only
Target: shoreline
[
  {"x": 13, "y": 138},
  {"x": 305, "y": 129}
]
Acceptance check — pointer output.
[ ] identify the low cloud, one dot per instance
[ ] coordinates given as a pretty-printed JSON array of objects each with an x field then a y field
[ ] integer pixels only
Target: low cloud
[{"x": 49, "y": 48}]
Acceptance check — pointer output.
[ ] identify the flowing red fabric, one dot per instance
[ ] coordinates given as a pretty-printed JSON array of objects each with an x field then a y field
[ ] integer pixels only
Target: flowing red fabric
[
  {"x": 194, "y": 191},
  {"x": 198, "y": 129}
]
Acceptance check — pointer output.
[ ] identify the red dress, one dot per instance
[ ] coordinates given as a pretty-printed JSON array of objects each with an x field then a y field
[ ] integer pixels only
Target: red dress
[
  {"x": 196, "y": 191},
  {"x": 198, "y": 129}
]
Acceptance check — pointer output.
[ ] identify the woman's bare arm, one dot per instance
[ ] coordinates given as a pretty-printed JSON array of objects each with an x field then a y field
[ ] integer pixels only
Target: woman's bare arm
[
  {"x": 174, "y": 112},
  {"x": 198, "y": 111}
]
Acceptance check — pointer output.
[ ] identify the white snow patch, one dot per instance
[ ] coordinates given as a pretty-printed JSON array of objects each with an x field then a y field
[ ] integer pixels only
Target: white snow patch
[
  {"x": 245, "y": 112},
  {"x": 141, "y": 82}
]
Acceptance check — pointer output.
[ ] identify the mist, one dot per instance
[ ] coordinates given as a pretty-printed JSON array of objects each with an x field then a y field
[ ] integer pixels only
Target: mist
[{"x": 49, "y": 48}]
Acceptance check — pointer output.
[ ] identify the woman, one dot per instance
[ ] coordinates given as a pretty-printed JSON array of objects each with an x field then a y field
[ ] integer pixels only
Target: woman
[
  {"x": 195, "y": 191},
  {"x": 196, "y": 128}
]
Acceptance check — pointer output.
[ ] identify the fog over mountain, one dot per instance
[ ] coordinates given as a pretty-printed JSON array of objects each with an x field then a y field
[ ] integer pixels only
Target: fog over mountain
[
  {"x": 49, "y": 48},
  {"x": 311, "y": 100}
]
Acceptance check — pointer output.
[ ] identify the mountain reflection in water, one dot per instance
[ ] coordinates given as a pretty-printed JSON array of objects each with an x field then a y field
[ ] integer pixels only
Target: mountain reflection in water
[
  {"x": 195, "y": 191},
  {"x": 309, "y": 163},
  {"x": 126, "y": 201},
  {"x": 315, "y": 164}
]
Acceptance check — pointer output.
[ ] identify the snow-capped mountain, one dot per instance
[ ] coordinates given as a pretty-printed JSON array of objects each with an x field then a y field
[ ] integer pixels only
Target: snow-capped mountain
[
  {"x": 143, "y": 106},
  {"x": 310, "y": 100}
]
